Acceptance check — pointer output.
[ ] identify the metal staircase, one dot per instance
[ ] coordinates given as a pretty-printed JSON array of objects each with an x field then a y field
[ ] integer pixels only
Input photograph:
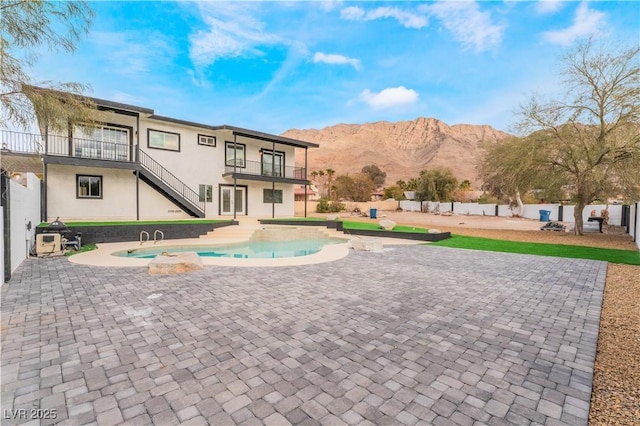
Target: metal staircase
[{"x": 165, "y": 182}]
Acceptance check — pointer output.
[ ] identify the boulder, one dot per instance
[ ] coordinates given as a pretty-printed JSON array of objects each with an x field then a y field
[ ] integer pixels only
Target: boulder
[
  {"x": 434, "y": 231},
  {"x": 387, "y": 224},
  {"x": 175, "y": 263},
  {"x": 366, "y": 244},
  {"x": 333, "y": 217}
]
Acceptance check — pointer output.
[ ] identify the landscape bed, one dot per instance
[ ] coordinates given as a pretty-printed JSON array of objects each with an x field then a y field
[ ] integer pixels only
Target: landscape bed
[{"x": 367, "y": 229}]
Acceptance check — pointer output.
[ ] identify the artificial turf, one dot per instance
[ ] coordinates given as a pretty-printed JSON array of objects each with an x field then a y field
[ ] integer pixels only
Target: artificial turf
[
  {"x": 628, "y": 257},
  {"x": 369, "y": 226}
]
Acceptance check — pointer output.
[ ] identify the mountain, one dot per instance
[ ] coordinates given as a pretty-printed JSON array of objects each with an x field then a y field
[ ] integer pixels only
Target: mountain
[{"x": 400, "y": 149}]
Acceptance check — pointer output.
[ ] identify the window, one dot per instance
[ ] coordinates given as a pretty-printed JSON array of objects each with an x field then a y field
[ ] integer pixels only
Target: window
[
  {"x": 89, "y": 186},
  {"x": 272, "y": 163},
  {"x": 206, "y": 193},
  {"x": 235, "y": 154},
  {"x": 206, "y": 140},
  {"x": 163, "y": 140},
  {"x": 102, "y": 142},
  {"x": 272, "y": 196}
]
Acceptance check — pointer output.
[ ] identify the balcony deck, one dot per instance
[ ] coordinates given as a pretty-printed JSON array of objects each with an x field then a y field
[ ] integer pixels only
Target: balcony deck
[{"x": 256, "y": 170}]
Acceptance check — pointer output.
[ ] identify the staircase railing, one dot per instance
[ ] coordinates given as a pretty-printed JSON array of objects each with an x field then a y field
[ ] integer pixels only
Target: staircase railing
[{"x": 169, "y": 179}]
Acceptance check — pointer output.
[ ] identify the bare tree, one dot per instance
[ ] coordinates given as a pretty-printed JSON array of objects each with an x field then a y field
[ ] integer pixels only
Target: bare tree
[
  {"x": 590, "y": 139},
  {"x": 26, "y": 26}
]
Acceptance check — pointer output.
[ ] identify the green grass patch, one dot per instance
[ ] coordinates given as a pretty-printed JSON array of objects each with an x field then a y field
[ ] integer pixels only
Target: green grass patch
[
  {"x": 628, "y": 257},
  {"x": 367, "y": 226},
  {"x": 139, "y": 222},
  {"x": 88, "y": 247},
  {"x": 296, "y": 219}
]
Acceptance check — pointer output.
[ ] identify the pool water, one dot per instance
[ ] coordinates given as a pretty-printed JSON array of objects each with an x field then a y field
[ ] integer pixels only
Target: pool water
[{"x": 246, "y": 250}]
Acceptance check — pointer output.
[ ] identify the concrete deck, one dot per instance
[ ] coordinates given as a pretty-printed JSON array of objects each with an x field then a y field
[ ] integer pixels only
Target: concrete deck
[{"x": 412, "y": 335}]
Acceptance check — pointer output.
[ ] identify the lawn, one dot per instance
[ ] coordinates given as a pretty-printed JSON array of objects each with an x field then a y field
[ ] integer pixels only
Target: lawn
[
  {"x": 628, "y": 257},
  {"x": 297, "y": 219},
  {"x": 368, "y": 226},
  {"x": 138, "y": 222}
]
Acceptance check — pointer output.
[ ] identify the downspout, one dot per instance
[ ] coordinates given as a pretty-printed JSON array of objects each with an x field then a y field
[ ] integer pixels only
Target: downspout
[
  {"x": 5, "y": 199},
  {"x": 235, "y": 162},
  {"x": 43, "y": 205},
  {"x": 273, "y": 179},
  {"x": 305, "y": 178},
  {"x": 136, "y": 155}
]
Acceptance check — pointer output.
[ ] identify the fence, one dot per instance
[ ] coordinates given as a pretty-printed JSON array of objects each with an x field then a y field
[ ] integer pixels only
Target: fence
[
  {"x": 23, "y": 209},
  {"x": 531, "y": 211}
]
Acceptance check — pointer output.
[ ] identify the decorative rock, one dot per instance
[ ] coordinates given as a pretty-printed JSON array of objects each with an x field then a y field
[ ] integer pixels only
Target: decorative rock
[
  {"x": 387, "y": 224},
  {"x": 434, "y": 231},
  {"x": 333, "y": 217},
  {"x": 175, "y": 263},
  {"x": 367, "y": 244}
]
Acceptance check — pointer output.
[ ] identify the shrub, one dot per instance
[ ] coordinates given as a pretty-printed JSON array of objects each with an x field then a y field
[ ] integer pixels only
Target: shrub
[{"x": 326, "y": 206}]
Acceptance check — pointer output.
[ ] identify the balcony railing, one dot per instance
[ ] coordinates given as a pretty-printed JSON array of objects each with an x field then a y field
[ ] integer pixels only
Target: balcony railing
[
  {"x": 88, "y": 148},
  {"x": 29, "y": 143},
  {"x": 257, "y": 168},
  {"x": 21, "y": 143}
]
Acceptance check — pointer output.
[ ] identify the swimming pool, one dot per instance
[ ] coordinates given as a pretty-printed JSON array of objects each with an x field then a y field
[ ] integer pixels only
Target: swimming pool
[{"x": 245, "y": 250}]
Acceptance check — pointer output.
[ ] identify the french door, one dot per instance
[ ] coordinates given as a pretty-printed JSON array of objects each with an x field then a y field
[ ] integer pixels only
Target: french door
[{"x": 230, "y": 200}]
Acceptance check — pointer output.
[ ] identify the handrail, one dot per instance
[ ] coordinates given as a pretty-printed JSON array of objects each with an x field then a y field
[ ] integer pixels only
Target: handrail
[
  {"x": 141, "y": 234},
  {"x": 170, "y": 180},
  {"x": 155, "y": 240},
  {"x": 58, "y": 145},
  {"x": 23, "y": 143},
  {"x": 258, "y": 168}
]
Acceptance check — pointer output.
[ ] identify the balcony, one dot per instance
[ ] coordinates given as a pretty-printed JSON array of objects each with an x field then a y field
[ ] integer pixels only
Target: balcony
[
  {"x": 256, "y": 170},
  {"x": 65, "y": 150}
]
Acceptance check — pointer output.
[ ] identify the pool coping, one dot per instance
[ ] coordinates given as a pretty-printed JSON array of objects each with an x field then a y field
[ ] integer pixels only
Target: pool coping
[{"x": 101, "y": 256}]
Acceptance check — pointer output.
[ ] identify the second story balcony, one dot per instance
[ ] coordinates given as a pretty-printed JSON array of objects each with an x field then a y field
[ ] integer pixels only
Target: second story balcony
[
  {"x": 257, "y": 170},
  {"x": 67, "y": 150}
]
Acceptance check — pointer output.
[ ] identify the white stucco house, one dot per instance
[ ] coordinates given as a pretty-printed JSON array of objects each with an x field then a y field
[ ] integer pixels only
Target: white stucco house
[{"x": 133, "y": 164}]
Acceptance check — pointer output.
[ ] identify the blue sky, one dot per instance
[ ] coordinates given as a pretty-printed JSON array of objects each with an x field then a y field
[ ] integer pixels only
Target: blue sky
[{"x": 272, "y": 66}]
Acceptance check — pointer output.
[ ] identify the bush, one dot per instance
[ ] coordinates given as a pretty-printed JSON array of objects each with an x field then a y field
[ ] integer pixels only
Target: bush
[{"x": 326, "y": 206}]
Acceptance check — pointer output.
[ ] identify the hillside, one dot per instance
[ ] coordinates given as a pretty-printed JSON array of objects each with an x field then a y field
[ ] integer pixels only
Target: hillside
[{"x": 401, "y": 149}]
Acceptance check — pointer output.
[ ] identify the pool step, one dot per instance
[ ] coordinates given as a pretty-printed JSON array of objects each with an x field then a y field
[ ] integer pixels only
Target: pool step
[{"x": 270, "y": 232}]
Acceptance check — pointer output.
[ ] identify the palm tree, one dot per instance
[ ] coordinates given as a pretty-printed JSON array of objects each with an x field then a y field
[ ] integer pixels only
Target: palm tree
[{"x": 330, "y": 173}]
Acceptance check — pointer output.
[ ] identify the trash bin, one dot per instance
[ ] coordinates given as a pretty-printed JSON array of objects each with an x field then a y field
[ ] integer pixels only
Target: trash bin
[
  {"x": 373, "y": 213},
  {"x": 544, "y": 215}
]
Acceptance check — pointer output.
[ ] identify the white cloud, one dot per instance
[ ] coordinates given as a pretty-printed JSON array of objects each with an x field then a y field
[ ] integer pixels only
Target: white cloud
[
  {"x": 330, "y": 58},
  {"x": 548, "y": 6},
  {"x": 587, "y": 22},
  {"x": 128, "y": 55},
  {"x": 388, "y": 98},
  {"x": 406, "y": 19},
  {"x": 468, "y": 25},
  {"x": 232, "y": 31}
]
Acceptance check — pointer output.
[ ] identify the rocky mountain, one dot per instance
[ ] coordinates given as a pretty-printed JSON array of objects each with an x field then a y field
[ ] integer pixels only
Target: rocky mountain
[{"x": 401, "y": 149}]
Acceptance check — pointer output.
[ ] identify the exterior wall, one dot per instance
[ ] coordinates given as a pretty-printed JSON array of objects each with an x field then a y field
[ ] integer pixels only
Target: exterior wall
[
  {"x": 386, "y": 205},
  {"x": 257, "y": 208},
  {"x": 24, "y": 210},
  {"x": 193, "y": 164},
  {"x": 118, "y": 200},
  {"x": 2, "y": 246}
]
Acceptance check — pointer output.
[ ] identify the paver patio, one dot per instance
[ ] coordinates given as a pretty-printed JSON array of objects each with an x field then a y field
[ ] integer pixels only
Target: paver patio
[{"x": 413, "y": 335}]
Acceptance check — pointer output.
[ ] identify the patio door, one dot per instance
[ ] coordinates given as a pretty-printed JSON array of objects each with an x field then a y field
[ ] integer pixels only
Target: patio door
[{"x": 230, "y": 200}]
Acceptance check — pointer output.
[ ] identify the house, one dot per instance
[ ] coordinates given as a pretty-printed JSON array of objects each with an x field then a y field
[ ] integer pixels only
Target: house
[
  {"x": 311, "y": 192},
  {"x": 134, "y": 164}
]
